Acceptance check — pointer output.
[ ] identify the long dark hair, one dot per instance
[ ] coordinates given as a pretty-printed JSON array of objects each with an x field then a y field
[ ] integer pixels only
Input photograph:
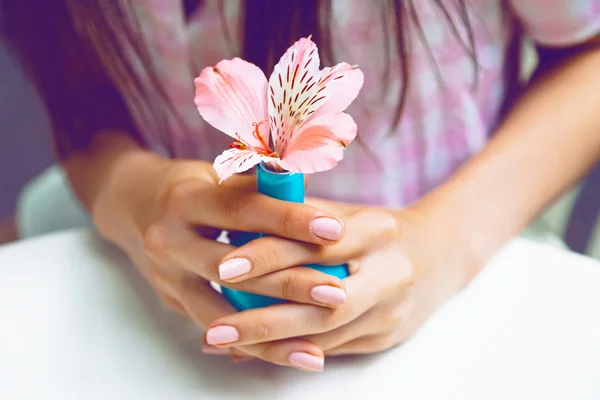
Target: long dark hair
[{"x": 72, "y": 51}]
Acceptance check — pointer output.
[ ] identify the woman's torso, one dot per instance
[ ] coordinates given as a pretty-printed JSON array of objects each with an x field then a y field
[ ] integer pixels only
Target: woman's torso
[{"x": 445, "y": 121}]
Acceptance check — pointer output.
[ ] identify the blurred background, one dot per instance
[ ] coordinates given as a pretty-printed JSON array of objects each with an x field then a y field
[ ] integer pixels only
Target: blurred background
[
  {"x": 25, "y": 144},
  {"x": 26, "y": 150}
]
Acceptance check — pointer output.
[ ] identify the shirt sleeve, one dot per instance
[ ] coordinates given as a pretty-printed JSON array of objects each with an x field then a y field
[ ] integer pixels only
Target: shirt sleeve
[{"x": 558, "y": 22}]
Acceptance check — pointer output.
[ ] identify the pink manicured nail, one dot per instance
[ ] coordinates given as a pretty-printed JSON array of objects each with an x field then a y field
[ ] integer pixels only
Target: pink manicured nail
[
  {"x": 221, "y": 335},
  {"x": 328, "y": 295},
  {"x": 233, "y": 268},
  {"x": 208, "y": 349},
  {"x": 307, "y": 361},
  {"x": 326, "y": 228}
]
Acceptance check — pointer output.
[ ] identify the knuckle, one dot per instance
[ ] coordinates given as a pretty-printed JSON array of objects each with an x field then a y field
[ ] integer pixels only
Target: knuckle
[
  {"x": 288, "y": 221},
  {"x": 410, "y": 276},
  {"x": 333, "y": 318},
  {"x": 153, "y": 240},
  {"x": 394, "y": 319},
  {"x": 263, "y": 329},
  {"x": 384, "y": 227},
  {"x": 271, "y": 254},
  {"x": 405, "y": 276},
  {"x": 388, "y": 225},
  {"x": 172, "y": 199},
  {"x": 288, "y": 286},
  {"x": 268, "y": 352},
  {"x": 385, "y": 342},
  {"x": 238, "y": 206},
  {"x": 170, "y": 302}
]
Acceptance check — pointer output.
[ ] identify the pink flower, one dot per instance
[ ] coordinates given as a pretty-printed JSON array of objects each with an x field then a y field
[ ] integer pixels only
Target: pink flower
[{"x": 300, "y": 107}]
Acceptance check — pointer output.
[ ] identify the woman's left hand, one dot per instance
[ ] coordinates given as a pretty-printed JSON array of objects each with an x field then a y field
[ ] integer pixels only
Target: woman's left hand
[{"x": 403, "y": 266}]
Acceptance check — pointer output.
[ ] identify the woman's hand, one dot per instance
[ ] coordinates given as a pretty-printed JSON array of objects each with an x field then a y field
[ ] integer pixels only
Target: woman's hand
[
  {"x": 166, "y": 216},
  {"x": 403, "y": 267}
]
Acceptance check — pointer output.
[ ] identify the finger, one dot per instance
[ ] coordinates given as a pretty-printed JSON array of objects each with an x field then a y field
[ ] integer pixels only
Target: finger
[
  {"x": 237, "y": 210},
  {"x": 241, "y": 360},
  {"x": 366, "y": 231},
  {"x": 295, "y": 353},
  {"x": 246, "y": 182},
  {"x": 361, "y": 326},
  {"x": 381, "y": 319},
  {"x": 366, "y": 345},
  {"x": 212, "y": 350},
  {"x": 335, "y": 207},
  {"x": 180, "y": 247},
  {"x": 172, "y": 303},
  {"x": 188, "y": 170},
  {"x": 295, "y": 320},
  {"x": 235, "y": 352},
  {"x": 335, "y": 342},
  {"x": 203, "y": 304},
  {"x": 298, "y": 284},
  {"x": 274, "y": 323},
  {"x": 161, "y": 281}
]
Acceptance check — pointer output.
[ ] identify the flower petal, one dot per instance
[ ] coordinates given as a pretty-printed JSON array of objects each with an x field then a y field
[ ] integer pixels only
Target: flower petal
[
  {"x": 344, "y": 82},
  {"x": 319, "y": 144},
  {"x": 234, "y": 161},
  {"x": 298, "y": 91},
  {"x": 291, "y": 86},
  {"x": 232, "y": 96}
]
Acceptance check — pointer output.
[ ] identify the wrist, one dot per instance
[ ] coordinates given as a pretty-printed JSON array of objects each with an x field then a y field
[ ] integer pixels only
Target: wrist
[{"x": 450, "y": 241}]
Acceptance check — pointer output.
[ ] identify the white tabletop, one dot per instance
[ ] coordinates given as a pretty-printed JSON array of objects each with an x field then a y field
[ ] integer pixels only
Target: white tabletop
[{"x": 76, "y": 322}]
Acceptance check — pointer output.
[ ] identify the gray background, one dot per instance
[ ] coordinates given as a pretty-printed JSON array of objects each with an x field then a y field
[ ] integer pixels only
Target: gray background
[{"x": 25, "y": 144}]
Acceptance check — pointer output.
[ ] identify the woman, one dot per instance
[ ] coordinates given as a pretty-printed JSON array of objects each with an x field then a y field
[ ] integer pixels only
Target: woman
[{"x": 441, "y": 179}]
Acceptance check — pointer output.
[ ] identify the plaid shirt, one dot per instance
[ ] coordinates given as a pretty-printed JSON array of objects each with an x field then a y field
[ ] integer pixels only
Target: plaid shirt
[{"x": 444, "y": 123}]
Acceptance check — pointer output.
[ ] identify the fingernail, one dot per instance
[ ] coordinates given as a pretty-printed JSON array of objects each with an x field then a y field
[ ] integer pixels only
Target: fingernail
[
  {"x": 328, "y": 295},
  {"x": 221, "y": 335},
  {"x": 208, "y": 349},
  {"x": 233, "y": 268},
  {"x": 307, "y": 361},
  {"x": 327, "y": 228}
]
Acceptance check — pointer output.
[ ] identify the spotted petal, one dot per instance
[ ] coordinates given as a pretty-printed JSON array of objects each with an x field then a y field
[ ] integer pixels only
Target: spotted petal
[
  {"x": 298, "y": 91},
  {"x": 344, "y": 82},
  {"x": 234, "y": 161},
  {"x": 319, "y": 144},
  {"x": 232, "y": 97},
  {"x": 293, "y": 90}
]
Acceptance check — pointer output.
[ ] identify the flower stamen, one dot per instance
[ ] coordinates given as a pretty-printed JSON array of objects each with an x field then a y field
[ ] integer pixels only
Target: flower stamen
[
  {"x": 257, "y": 133},
  {"x": 238, "y": 145},
  {"x": 264, "y": 150}
]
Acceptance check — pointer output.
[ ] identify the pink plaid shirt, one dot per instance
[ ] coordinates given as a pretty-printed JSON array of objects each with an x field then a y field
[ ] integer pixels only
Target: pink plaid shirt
[{"x": 443, "y": 124}]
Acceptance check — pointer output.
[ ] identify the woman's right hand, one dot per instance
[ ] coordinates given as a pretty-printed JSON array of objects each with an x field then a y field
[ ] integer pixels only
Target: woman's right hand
[{"x": 166, "y": 215}]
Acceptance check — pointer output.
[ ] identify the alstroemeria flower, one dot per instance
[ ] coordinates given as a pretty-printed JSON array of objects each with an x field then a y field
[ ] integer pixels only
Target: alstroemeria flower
[{"x": 300, "y": 107}]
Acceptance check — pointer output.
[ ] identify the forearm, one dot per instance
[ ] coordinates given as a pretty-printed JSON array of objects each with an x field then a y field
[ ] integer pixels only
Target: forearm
[
  {"x": 548, "y": 142},
  {"x": 110, "y": 175}
]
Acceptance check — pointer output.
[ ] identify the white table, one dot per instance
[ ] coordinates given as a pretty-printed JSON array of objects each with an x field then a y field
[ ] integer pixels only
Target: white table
[{"x": 77, "y": 323}]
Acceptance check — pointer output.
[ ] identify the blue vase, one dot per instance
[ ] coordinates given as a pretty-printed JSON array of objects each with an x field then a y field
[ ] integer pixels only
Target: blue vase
[{"x": 286, "y": 186}]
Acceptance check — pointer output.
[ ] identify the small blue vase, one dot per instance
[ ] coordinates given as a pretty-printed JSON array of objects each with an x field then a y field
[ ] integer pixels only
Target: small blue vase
[{"x": 286, "y": 186}]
